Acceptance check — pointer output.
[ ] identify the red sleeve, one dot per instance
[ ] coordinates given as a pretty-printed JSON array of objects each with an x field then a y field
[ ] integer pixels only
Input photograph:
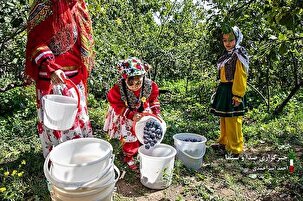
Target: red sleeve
[
  {"x": 153, "y": 99},
  {"x": 114, "y": 99},
  {"x": 43, "y": 56},
  {"x": 50, "y": 66},
  {"x": 39, "y": 32}
]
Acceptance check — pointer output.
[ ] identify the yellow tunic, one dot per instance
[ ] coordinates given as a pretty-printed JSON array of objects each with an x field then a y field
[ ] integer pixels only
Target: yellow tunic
[{"x": 239, "y": 81}]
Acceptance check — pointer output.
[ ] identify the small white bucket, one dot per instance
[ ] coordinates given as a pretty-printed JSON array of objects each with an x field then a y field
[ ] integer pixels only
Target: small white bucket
[
  {"x": 157, "y": 165},
  {"x": 190, "y": 152},
  {"x": 139, "y": 127},
  {"x": 80, "y": 160},
  {"x": 59, "y": 112}
]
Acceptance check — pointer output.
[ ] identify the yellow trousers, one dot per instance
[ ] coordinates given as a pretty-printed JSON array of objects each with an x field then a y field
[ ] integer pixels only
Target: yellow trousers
[{"x": 231, "y": 134}]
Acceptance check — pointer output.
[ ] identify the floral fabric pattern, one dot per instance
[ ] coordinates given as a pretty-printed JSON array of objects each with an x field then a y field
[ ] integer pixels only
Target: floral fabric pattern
[{"x": 119, "y": 126}]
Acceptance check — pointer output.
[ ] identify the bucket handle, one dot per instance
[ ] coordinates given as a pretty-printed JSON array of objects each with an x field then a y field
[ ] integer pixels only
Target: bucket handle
[
  {"x": 186, "y": 154},
  {"x": 84, "y": 186},
  {"x": 80, "y": 185},
  {"x": 106, "y": 185},
  {"x": 68, "y": 82}
]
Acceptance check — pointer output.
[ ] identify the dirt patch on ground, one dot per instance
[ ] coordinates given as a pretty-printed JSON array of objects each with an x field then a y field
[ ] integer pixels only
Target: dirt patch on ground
[
  {"x": 220, "y": 179},
  {"x": 136, "y": 191}
]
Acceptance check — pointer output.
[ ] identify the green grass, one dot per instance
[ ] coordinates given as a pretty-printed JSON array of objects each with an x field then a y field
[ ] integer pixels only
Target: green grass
[{"x": 21, "y": 161}]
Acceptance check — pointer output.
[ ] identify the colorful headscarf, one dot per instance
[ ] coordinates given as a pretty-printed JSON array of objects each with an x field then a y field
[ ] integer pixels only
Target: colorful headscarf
[
  {"x": 132, "y": 67},
  {"x": 229, "y": 58}
]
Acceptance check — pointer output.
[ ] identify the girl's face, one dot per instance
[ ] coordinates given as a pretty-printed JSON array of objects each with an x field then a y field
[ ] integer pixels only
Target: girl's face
[
  {"x": 229, "y": 41},
  {"x": 135, "y": 82}
]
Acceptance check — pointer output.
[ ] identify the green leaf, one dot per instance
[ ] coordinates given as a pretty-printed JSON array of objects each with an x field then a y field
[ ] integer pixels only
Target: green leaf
[{"x": 282, "y": 37}]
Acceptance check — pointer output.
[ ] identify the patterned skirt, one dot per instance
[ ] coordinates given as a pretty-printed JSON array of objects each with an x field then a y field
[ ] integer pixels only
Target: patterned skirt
[
  {"x": 119, "y": 126},
  {"x": 222, "y": 103},
  {"x": 81, "y": 127}
]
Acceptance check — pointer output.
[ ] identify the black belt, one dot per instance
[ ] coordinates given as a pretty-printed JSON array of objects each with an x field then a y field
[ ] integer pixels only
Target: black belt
[{"x": 226, "y": 83}]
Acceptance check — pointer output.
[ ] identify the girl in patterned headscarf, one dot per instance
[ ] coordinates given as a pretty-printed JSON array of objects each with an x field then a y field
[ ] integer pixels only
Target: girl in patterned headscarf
[
  {"x": 129, "y": 98},
  {"x": 59, "y": 46},
  {"x": 228, "y": 102}
]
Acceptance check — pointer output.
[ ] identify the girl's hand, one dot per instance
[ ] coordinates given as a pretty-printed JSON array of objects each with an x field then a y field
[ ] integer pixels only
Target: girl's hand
[
  {"x": 57, "y": 77},
  {"x": 137, "y": 117},
  {"x": 236, "y": 103}
]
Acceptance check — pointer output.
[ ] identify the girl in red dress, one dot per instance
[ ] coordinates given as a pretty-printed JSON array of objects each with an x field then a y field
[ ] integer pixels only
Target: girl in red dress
[{"x": 133, "y": 95}]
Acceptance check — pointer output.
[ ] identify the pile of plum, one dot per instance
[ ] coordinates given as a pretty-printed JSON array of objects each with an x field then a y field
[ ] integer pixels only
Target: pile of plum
[
  {"x": 191, "y": 140},
  {"x": 152, "y": 133}
]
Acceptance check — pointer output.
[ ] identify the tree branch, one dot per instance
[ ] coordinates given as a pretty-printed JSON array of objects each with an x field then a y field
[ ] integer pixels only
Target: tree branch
[
  {"x": 12, "y": 36},
  {"x": 242, "y": 6},
  {"x": 256, "y": 90},
  {"x": 279, "y": 108},
  {"x": 11, "y": 86}
]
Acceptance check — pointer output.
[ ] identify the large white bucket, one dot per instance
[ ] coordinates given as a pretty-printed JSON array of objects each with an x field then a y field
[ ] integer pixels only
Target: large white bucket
[
  {"x": 80, "y": 160},
  {"x": 190, "y": 149},
  {"x": 95, "y": 191},
  {"x": 59, "y": 112},
  {"x": 103, "y": 176},
  {"x": 157, "y": 165},
  {"x": 140, "y": 125}
]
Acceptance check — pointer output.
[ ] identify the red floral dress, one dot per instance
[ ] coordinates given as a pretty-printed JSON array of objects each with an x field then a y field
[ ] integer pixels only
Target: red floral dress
[
  {"x": 59, "y": 36},
  {"x": 119, "y": 121}
]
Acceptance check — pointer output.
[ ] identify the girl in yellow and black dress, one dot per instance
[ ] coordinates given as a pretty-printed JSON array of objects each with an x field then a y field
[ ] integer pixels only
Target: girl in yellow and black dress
[{"x": 228, "y": 101}]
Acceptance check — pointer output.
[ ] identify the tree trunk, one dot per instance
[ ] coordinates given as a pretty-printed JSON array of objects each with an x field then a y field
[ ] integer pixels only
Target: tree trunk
[
  {"x": 267, "y": 85},
  {"x": 279, "y": 109}
]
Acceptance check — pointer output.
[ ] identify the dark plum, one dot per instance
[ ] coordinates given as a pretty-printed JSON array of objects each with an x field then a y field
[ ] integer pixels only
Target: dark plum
[{"x": 152, "y": 133}]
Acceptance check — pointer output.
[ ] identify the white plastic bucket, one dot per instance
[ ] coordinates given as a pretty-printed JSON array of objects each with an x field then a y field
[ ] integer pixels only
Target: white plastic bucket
[
  {"x": 80, "y": 160},
  {"x": 59, "y": 112},
  {"x": 157, "y": 165},
  {"x": 104, "y": 176},
  {"x": 139, "y": 127},
  {"x": 190, "y": 153},
  {"x": 93, "y": 192}
]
